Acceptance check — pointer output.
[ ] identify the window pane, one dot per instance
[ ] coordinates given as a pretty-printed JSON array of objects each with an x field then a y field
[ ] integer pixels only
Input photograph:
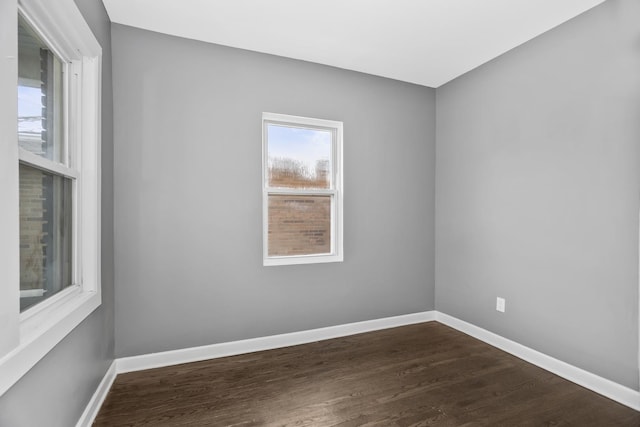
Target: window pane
[
  {"x": 298, "y": 157},
  {"x": 299, "y": 225},
  {"x": 40, "y": 97},
  {"x": 45, "y": 235}
]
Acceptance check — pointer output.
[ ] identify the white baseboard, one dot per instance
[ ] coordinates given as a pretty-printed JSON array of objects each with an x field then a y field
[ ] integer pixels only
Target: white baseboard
[
  {"x": 603, "y": 386},
  {"x": 196, "y": 354},
  {"x": 93, "y": 407}
]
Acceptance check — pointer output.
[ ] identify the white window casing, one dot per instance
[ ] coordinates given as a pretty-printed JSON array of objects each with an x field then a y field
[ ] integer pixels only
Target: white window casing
[
  {"x": 335, "y": 190},
  {"x": 25, "y": 338}
]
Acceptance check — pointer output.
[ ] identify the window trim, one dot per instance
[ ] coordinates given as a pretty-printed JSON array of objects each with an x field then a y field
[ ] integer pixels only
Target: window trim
[
  {"x": 336, "y": 190},
  {"x": 30, "y": 335}
]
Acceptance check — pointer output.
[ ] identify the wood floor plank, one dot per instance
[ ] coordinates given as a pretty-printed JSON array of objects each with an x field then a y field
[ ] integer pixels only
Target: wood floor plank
[{"x": 418, "y": 375}]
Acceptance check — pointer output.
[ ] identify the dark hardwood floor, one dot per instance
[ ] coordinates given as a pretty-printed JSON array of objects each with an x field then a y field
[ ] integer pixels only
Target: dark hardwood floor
[{"x": 420, "y": 375}]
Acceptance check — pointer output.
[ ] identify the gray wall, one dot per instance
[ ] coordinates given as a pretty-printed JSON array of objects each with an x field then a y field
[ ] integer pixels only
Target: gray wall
[
  {"x": 188, "y": 195},
  {"x": 537, "y": 193},
  {"x": 56, "y": 391}
]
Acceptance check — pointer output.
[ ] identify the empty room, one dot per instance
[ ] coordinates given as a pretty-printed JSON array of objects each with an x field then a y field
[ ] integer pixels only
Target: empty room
[{"x": 319, "y": 213}]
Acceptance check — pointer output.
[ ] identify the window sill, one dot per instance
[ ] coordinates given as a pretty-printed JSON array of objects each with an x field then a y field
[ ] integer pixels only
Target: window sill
[
  {"x": 38, "y": 338},
  {"x": 301, "y": 259}
]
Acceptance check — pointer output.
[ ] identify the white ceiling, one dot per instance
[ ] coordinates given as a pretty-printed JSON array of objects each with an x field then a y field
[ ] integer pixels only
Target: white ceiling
[{"x": 427, "y": 42}]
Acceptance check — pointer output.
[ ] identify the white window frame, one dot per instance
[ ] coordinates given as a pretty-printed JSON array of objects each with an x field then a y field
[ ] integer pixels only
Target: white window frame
[
  {"x": 336, "y": 190},
  {"x": 25, "y": 338}
]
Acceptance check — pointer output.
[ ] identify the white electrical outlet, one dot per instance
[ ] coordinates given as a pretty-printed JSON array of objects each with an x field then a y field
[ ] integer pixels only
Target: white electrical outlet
[{"x": 500, "y": 304}]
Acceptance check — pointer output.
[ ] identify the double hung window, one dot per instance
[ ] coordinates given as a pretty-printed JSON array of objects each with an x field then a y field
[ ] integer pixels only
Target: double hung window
[
  {"x": 50, "y": 250},
  {"x": 302, "y": 190},
  {"x": 47, "y": 171}
]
